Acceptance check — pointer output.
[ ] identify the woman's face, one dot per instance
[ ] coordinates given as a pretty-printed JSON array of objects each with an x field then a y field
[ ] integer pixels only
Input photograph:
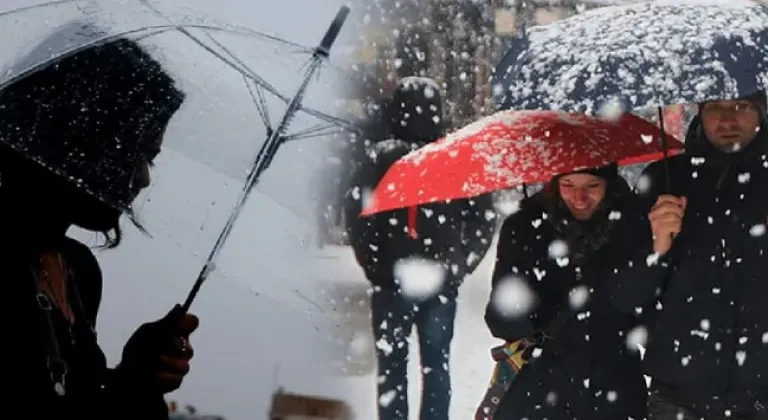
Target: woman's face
[
  {"x": 142, "y": 178},
  {"x": 94, "y": 214},
  {"x": 582, "y": 194}
]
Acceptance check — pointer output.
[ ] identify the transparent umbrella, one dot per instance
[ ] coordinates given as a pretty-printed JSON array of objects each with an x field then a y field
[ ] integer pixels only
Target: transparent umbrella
[{"x": 230, "y": 74}]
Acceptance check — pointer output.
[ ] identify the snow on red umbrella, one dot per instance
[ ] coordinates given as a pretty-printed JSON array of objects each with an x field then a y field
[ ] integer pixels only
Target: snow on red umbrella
[{"x": 511, "y": 148}]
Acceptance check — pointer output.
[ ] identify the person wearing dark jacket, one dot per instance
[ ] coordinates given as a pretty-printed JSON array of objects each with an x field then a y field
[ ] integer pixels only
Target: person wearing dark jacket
[
  {"x": 450, "y": 239},
  {"x": 703, "y": 256},
  {"x": 96, "y": 119},
  {"x": 553, "y": 262}
]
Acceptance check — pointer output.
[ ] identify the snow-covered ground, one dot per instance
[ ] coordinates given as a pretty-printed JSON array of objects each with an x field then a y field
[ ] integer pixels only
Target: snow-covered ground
[{"x": 471, "y": 363}]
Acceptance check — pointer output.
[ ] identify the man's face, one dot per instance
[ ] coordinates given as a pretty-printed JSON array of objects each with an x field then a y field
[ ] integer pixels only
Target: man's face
[{"x": 730, "y": 125}]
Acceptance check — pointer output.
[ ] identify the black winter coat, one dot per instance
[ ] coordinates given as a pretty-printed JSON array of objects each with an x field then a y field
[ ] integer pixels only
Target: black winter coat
[
  {"x": 587, "y": 371},
  {"x": 456, "y": 234},
  {"x": 710, "y": 347},
  {"x": 92, "y": 389}
]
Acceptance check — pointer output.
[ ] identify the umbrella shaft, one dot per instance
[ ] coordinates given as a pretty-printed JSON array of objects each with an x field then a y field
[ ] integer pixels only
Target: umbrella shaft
[
  {"x": 263, "y": 158},
  {"x": 665, "y": 148}
]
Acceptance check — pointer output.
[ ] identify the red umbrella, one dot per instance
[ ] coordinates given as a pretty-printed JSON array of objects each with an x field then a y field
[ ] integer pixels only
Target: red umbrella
[{"x": 511, "y": 148}]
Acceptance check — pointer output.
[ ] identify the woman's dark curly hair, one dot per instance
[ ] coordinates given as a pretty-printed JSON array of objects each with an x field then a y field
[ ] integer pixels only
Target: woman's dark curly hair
[{"x": 89, "y": 117}]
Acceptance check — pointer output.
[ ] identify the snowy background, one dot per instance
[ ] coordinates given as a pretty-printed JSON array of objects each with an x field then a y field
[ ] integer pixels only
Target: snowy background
[
  {"x": 471, "y": 363},
  {"x": 262, "y": 324},
  {"x": 278, "y": 311}
]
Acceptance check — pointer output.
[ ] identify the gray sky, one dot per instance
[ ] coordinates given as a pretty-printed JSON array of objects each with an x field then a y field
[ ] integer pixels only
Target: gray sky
[{"x": 255, "y": 316}]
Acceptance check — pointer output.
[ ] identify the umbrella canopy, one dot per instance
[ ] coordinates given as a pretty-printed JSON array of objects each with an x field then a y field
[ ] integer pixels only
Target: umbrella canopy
[
  {"x": 639, "y": 56},
  {"x": 228, "y": 75},
  {"x": 511, "y": 148}
]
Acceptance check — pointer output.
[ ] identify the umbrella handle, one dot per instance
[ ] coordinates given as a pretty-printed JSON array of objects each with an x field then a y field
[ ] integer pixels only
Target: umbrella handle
[{"x": 665, "y": 150}]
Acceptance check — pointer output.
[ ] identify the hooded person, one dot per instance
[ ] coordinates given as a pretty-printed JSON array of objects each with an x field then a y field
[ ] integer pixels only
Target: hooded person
[
  {"x": 560, "y": 247},
  {"x": 78, "y": 138},
  {"x": 416, "y": 258},
  {"x": 702, "y": 256}
]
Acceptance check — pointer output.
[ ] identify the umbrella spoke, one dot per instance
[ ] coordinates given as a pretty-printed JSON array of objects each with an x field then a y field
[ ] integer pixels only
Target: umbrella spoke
[
  {"x": 36, "y": 6},
  {"x": 344, "y": 124},
  {"x": 233, "y": 62},
  {"x": 259, "y": 101},
  {"x": 253, "y": 33},
  {"x": 320, "y": 130},
  {"x": 238, "y": 65}
]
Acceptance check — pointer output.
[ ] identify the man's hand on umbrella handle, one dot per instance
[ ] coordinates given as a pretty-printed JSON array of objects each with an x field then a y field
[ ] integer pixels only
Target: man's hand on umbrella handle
[{"x": 666, "y": 218}]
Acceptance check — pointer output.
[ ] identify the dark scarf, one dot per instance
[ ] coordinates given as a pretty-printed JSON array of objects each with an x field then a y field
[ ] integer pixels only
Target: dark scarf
[{"x": 585, "y": 237}]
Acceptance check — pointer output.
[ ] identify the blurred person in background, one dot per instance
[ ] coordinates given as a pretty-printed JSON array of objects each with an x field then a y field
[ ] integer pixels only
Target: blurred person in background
[
  {"x": 433, "y": 246},
  {"x": 367, "y": 108}
]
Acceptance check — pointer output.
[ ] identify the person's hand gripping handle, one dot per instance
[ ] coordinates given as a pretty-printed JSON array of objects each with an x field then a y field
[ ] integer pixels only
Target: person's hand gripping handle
[{"x": 666, "y": 219}]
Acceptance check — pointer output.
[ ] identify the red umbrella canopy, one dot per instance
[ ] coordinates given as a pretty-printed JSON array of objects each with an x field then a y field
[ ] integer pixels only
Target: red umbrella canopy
[{"x": 511, "y": 148}]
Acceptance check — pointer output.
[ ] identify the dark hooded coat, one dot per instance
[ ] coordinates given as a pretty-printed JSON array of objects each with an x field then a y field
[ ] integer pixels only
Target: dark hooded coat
[
  {"x": 92, "y": 389},
  {"x": 93, "y": 115},
  {"x": 588, "y": 370},
  {"x": 455, "y": 234},
  {"x": 709, "y": 349}
]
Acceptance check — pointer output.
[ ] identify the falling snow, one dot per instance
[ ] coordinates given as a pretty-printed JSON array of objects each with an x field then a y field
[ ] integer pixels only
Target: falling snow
[
  {"x": 419, "y": 278},
  {"x": 513, "y": 298},
  {"x": 558, "y": 249},
  {"x": 637, "y": 338},
  {"x": 578, "y": 297}
]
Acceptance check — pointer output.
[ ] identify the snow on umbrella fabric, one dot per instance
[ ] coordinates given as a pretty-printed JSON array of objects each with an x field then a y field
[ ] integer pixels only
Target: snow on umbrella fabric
[
  {"x": 638, "y": 56},
  {"x": 511, "y": 148}
]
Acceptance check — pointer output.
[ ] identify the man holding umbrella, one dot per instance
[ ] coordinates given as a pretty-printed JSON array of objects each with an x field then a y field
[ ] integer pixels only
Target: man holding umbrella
[
  {"x": 705, "y": 251},
  {"x": 705, "y": 260}
]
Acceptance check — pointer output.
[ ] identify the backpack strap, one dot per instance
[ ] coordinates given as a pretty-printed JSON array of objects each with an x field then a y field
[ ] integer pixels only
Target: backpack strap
[
  {"x": 55, "y": 364},
  {"x": 85, "y": 281},
  {"x": 561, "y": 319},
  {"x": 57, "y": 367}
]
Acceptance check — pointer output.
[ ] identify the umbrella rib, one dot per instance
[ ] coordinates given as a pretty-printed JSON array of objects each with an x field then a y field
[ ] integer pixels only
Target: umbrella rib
[
  {"x": 233, "y": 28},
  {"x": 234, "y": 58},
  {"x": 314, "y": 113},
  {"x": 319, "y": 130},
  {"x": 344, "y": 124},
  {"x": 258, "y": 100},
  {"x": 247, "y": 72},
  {"x": 244, "y": 70},
  {"x": 36, "y": 6},
  {"x": 263, "y": 101}
]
